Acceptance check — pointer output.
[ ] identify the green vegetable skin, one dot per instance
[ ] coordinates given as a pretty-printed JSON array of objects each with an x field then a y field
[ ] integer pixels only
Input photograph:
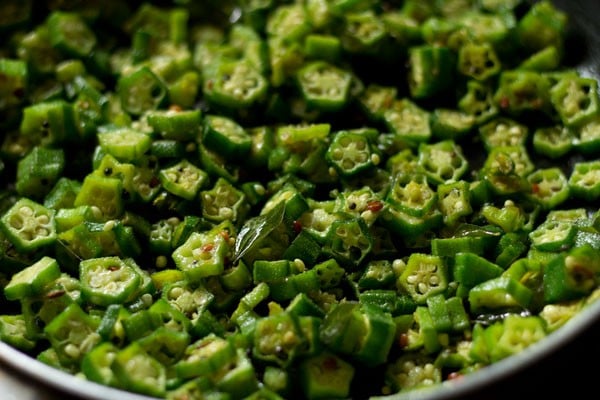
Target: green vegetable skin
[{"x": 253, "y": 199}]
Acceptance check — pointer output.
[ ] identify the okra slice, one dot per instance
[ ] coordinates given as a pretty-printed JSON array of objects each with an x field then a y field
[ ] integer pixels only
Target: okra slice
[
  {"x": 223, "y": 203},
  {"x": 205, "y": 357},
  {"x": 375, "y": 99},
  {"x": 324, "y": 86},
  {"x": 412, "y": 195},
  {"x": 549, "y": 187},
  {"x": 325, "y": 46},
  {"x": 553, "y": 141},
  {"x": 363, "y": 31},
  {"x": 412, "y": 371},
  {"x": 164, "y": 314},
  {"x": 226, "y": 136},
  {"x": 202, "y": 255},
  {"x": 571, "y": 275},
  {"x": 191, "y": 300},
  {"x": 69, "y": 33},
  {"x": 349, "y": 241},
  {"x": 40, "y": 310},
  {"x": 125, "y": 144},
  {"x": 503, "y": 131},
  {"x": 377, "y": 338},
  {"x": 96, "y": 365},
  {"x": 111, "y": 328},
  {"x": 141, "y": 91},
  {"x": 478, "y": 61},
  {"x": 278, "y": 339},
  {"x": 521, "y": 91},
  {"x": 519, "y": 332},
  {"x": 584, "y": 181},
  {"x": 289, "y": 22},
  {"x": 110, "y": 167},
  {"x": 556, "y": 315},
  {"x": 216, "y": 164},
  {"x": 238, "y": 379},
  {"x": 235, "y": 85},
  {"x": 107, "y": 280},
  {"x": 447, "y": 123},
  {"x": 326, "y": 375},
  {"x": 49, "y": 122},
  {"x": 29, "y": 225},
  {"x": 424, "y": 333},
  {"x": 575, "y": 99},
  {"x": 15, "y": 87},
  {"x": 442, "y": 161},
  {"x": 431, "y": 70},
  {"x": 378, "y": 274},
  {"x": 424, "y": 276},
  {"x": 13, "y": 331},
  {"x": 167, "y": 149},
  {"x": 543, "y": 25},
  {"x": 510, "y": 217},
  {"x": 175, "y": 124},
  {"x": 470, "y": 269},
  {"x": 408, "y": 226},
  {"x": 546, "y": 59},
  {"x": 72, "y": 334},
  {"x": 363, "y": 202},
  {"x": 67, "y": 218},
  {"x": 62, "y": 194},
  {"x": 183, "y": 179},
  {"x": 317, "y": 219},
  {"x": 32, "y": 280},
  {"x": 478, "y": 101},
  {"x": 139, "y": 372},
  {"x": 553, "y": 236},
  {"x": 501, "y": 293},
  {"x": 587, "y": 137},
  {"x": 505, "y": 169},
  {"x": 454, "y": 201},
  {"x": 38, "y": 171},
  {"x": 146, "y": 182},
  {"x": 350, "y": 153},
  {"x": 295, "y": 203},
  {"x": 483, "y": 27},
  {"x": 103, "y": 193},
  {"x": 408, "y": 121}
]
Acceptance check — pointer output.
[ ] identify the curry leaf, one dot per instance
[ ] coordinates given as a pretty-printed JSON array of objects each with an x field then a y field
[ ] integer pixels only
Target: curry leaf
[{"x": 256, "y": 229}]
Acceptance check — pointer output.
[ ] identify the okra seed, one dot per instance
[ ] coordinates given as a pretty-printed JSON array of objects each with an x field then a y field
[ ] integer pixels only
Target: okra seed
[
  {"x": 72, "y": 351},
  {"x": 161, "y": 262},
  {"x": 42, "y": 232},
  {"x": 299, "y": 264},
  {"x": 147, "y": 299},
  {"x": 26, "y": 211},
  {"x": 108, "y": 226}
]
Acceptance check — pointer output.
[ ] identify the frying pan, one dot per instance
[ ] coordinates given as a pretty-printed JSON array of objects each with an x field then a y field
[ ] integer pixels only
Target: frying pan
[{"x": 566, "y": 361}]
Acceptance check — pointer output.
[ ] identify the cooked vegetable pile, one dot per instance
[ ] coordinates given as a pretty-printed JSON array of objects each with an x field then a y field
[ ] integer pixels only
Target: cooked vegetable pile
[{"x": 270, "y": 199}]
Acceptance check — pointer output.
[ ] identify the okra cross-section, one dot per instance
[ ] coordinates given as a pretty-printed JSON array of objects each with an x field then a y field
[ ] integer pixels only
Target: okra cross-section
[
  {"x": 324, "y": 86},
  {"x": 425, "y": 275},
  {"x": 202, "y": 254},
  {"x": 350, "y": 153},
  {"x": 107, "y": 280},
  {"x": 29, "y": 225}
]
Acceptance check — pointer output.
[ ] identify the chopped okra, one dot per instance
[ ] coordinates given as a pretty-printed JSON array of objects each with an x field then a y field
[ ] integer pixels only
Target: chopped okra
[{"x": 274, "y": 199}]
